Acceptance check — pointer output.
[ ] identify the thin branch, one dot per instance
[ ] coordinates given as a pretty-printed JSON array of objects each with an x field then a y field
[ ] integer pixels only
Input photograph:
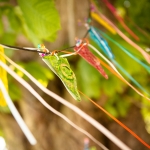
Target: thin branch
[{"x": 37, "y": 50}]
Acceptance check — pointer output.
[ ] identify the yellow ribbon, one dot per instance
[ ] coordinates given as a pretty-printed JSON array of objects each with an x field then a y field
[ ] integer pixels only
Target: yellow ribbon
[
  {"x": 3, "y": 77},
  {"x": 102, "y": 22}
]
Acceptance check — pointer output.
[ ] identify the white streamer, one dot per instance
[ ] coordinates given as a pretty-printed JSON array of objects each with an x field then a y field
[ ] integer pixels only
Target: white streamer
[{"x": 17, "y": 116}]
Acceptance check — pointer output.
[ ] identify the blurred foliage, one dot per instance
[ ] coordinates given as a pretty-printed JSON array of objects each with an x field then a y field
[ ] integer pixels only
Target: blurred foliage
[
  {"x": 14, "y": 90},
  {"x": 145, "y": 111},
  {"x": 34, "y": 18},
  {"x": 88, "y": 79},
  {"x": 137, "y": 10},
  {"x": 41, "y": 73},
  {"x": 1, "y": 133},
  {"x": 93, "y": 148}
]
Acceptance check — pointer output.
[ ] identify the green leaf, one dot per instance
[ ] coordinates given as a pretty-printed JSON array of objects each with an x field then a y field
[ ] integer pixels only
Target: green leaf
[
  {"x": 52, "y": 37},
  {"x": 4, "y": 109},
  {"x": 13, "y": 89},
  {"x": 123, "y": 106},
  {"x": 31, "y": 36},
  {"x": 41, "y": 17},
  {"x": 112, "y": 110},
  {"x": 27, "y": 31},
  {"x": 146, "y": 114}
]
